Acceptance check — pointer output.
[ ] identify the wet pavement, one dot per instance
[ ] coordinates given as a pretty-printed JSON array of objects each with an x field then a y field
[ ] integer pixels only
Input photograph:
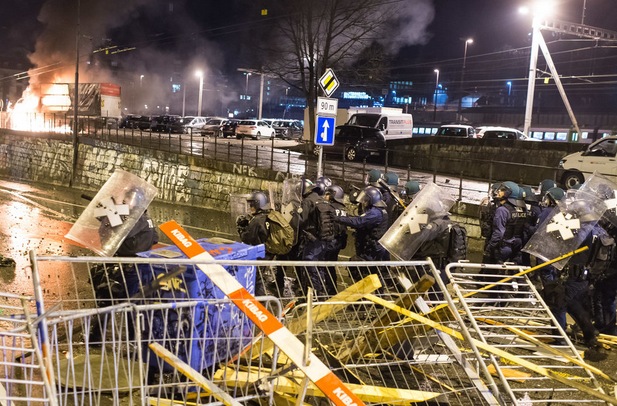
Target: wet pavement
[{"x": 37, "y": 217}]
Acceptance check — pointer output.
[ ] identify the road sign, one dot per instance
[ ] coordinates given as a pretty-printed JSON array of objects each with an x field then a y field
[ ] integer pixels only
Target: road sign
[
  {"x": 328, "y": 82},
  {"x": 327, "y": 106},
  {"x": 324, "y": 131}
]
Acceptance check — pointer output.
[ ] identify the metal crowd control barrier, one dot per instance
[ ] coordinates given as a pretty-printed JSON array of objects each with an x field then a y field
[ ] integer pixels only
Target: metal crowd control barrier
[
  {"x": 153, "y": 332},
  {"x": 537, "y": 362},
  {"x": 24, "y": 376}
]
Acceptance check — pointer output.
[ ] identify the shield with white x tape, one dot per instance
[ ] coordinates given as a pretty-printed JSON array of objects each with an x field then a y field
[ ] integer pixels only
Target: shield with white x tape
[
  {"x": 564, "y": 224},
  {"x": 112, "y": 213},
  {"x": 566, "y": 227},
  {"x": 605, "y": 189},
  {"x": 414, "y": 225}
]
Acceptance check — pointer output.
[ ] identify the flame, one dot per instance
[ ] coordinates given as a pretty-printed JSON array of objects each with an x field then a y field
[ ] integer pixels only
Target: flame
[{"x": 46, "y": 113}]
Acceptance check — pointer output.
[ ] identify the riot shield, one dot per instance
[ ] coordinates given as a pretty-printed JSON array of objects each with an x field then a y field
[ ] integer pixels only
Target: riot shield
[
  {"x": 566, "y": 227},
  {"x": 291, "y": 197},
  {"x": 238, "y": 205},
  {"x": 414, "y": 226},
  {"x": 112, "y": 213},
  {"x": 605, "y": 189}
]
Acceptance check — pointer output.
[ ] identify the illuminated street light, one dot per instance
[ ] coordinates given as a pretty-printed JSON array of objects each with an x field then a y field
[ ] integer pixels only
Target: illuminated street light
[
  {"x": 141, "y": 79},
  {"x": 246, "y": 87},
  {"x": 200, "y": 74},
  {"x": 460, "y": 100},
  {"x": 435, "y": 101}
]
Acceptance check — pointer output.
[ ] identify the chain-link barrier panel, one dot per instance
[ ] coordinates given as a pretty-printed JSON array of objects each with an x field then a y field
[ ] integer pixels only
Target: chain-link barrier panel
[
  {"x": 24, "y": 376},
  {"x": 520, "y": 340},
  {"x": 108, "y": 314}
]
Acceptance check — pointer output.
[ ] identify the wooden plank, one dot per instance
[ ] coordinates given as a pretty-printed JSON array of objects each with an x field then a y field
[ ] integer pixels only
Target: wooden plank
[
  {"x": 319, "y": 313},
  {"x": 500, "y": 353},
  {"x": 374, "y": 336},
  {"x": 193, "y": 375}
]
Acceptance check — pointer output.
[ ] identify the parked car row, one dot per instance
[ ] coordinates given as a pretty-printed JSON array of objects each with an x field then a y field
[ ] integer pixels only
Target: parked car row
[
  {"x": 486, "y": 132},
  {"x": 215, "y": 126}
]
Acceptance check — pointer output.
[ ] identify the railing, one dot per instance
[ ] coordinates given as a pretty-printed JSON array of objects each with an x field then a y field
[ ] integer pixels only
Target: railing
[{"x": 297, "y": 160}]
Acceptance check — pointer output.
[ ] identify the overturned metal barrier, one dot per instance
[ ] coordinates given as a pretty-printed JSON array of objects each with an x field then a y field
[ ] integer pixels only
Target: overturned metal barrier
[{"x": 388, "y": 332}]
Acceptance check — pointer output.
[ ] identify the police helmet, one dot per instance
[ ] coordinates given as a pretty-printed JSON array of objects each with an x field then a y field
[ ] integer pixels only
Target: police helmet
[
  {"x": 305, "y": 187},
  {"x": 545, "y": 185},
  {"x": 372, "y": 196},
  {"x": 392, "y": 179},
  {"x": 325, "y": 180},
  {"x": 554, "y": 195},
  {"x": 374, "y": 175},
  {"x": 320, "y": 187},
  {"x": 336, "y": 192},
  {"x": 528, "y": 195},
  {"x": 412, "y": 187},
  {"x": 583, "y": 211},
  {"x": 259, "y": 200},
  {"x": 134, "y": 197}
]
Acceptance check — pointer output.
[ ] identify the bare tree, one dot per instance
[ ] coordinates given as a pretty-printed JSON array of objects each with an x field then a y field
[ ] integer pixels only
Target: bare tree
[{"x": 311, "y": 36}]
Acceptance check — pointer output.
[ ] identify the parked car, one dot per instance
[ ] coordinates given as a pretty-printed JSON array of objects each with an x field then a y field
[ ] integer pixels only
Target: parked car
[
  {"x": 356, "y": 142},
  {"x": 135, "y": 121},
  {"x": 502, "y": 133},
  {"x": 194, "y": 124},
  {"x": 229, "y": 128},
  {"x": 599, "y": 157},
  {"x": 288, "y": 129},
  {"x": 456, "y": 130},
  {"x": 167, "y": 124},
  {"x": 254, "y": 129},
  {"x": 213, "y": 127}
]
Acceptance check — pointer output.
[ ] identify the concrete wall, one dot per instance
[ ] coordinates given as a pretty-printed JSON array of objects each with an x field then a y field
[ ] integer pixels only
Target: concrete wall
[
  {"x": 181, "y": 179},
  {"x": 526, "y": 162},
  {"x": 199, "y": 182}
]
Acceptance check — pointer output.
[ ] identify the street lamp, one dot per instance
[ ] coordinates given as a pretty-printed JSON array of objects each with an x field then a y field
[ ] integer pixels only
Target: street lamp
[
  {"x": 200, "y": 74},
  {"x": 246, "y": 87},
  {"x": 141, "y": 79},
  {"x": 460, "y": 100},
  {"x": 435, "y": 95}
]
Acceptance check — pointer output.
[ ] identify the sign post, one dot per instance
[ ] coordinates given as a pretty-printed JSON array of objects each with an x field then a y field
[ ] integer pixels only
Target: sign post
[{"x": 325, "y": 121}]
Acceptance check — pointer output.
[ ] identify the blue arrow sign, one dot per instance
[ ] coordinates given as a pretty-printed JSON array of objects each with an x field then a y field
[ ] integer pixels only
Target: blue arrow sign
[{"x": 324, "y": 131}]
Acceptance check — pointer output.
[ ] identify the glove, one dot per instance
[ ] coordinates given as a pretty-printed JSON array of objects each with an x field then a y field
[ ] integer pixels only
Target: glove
[{"x": 242, "y": 221}]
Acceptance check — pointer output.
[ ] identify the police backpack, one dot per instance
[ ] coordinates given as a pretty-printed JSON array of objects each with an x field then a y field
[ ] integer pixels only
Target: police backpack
[
  {"x": 281, "y": 235},
  {"x": 457, "y": 247}
]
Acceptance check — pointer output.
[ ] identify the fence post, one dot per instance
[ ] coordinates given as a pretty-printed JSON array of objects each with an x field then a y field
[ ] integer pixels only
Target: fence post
[
  {"x": 256, "y": 155},
  {"x": 288, "y": 161},
  {"x": 386, "y": 163},
  {"x": 228, "y": 151},
  {"x": 490, "y": 175},
  {"x": 272, "y": 154},
  {"x": 460, "y": 187},
  {"x": 408, "y": 172},
  {"x": 215, "y": 145},
  {"x": 242, "y": 151}
]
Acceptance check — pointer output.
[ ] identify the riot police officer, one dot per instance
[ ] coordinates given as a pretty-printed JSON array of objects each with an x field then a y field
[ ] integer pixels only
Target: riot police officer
[
  {"x": 412, "y": 187},
  {"x": 336, "y": 197},
  {"x": 370, "y": 226},
  {"x": 506, "y": 239},
  {"x": 253, "y": 230}
]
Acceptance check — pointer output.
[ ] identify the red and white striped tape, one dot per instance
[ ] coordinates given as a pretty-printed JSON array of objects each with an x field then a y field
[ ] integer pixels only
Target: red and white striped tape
[{"x": 316, "y": 371}]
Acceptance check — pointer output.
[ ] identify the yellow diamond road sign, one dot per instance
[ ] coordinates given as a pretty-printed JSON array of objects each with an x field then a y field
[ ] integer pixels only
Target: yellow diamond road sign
[{"x": 328, "y": 82}]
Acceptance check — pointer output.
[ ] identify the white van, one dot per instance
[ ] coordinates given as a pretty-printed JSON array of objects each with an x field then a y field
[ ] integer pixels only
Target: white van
[
  {"x": 599, "y": 156},
  {"x": 392, "y": 122}
]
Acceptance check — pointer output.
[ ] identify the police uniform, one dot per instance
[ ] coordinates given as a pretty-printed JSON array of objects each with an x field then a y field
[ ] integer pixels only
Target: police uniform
[
  {"x": 507, "y": 235},
  {"x": 335, "y": 246},
  {"x": 370, "y": 227}
]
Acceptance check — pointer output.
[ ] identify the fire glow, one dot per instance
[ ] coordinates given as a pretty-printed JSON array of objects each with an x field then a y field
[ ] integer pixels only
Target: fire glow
[{"x": 43, "y": 110}]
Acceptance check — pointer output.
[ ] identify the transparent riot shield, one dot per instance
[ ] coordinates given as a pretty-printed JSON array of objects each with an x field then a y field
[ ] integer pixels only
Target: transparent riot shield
[
  {"x": 112, "y": 213},
  {"x": 291, "y": 197},
  {"x": 415, "y": 225},
  {"x": 238, "y": 205},
  {"x": 605, "y": 189},
  {"x": 566, "y": 227}
]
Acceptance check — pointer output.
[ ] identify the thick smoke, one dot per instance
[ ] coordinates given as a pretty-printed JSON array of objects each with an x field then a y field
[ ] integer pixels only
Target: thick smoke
[
  {"x": 54, "y": 53},
  {"x": 409, "y": 27}
]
